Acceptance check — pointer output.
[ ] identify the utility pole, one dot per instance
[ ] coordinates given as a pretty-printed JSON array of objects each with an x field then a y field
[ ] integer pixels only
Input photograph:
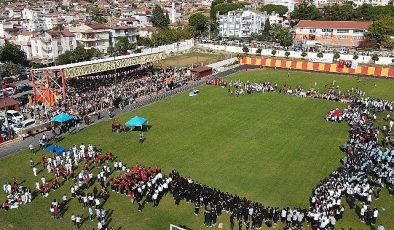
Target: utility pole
[{"x": 209, "y": 29}]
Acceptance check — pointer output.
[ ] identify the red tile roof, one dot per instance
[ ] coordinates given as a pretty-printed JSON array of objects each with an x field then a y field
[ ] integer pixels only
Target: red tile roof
[
  {"x": 8, "y": 102},
  {"x": 201, "y": 69},
  {"x": 334, "y": 24},
  {"x": 97, "y": 26},
  {"x": 123, "y": 27},
  {"x": 65, "y": 33},
  {"x": 149, "y": 28}
]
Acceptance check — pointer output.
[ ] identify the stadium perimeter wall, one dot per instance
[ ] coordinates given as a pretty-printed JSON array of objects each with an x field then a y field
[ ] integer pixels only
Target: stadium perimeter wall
[{"x": 373, "y": 71}]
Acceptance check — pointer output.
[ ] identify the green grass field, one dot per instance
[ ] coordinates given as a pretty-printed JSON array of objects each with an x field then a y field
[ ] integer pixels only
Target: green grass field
[
  {"x": 269, "y": 147},
  {"x": 195, "y": 58}
]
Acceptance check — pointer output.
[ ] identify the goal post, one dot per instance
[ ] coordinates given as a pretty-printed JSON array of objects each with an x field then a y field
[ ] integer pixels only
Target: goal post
[{"x": 174, "y": 227}]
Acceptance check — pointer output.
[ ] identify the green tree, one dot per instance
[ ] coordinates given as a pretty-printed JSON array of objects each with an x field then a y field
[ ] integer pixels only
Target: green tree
[
  {"x": 273, "y": 52},
  {"x": 364, "y": 12},
  {"x": 284, "y": 37},
  {"x": 381, "y": 28},
  {"x": 144, "y": 41},
  {"x": 375, "y": 58},
  {"x": 12, "y": 53},
  {"x": 213, "y": 10},
  {"x": 266, "y": 30},
  {"x": 58, "y": 27},
  {"x": 77, "y": 55},
  {"x": 12, "y": 69},
  {"x": 306, "y": 11},
  {"x": 304, "y": 54},
  {"x": 336, "y": 55},
  {"x": 339, "y": 12},
  {"x": 269, "y": 8},
  {"x": 287, "y": 54},
  {"x": 224, "y": 8},
  {"x": 388, "y": 43},
  {"x": 159, "y": 18},
  {"x": 258, "y": 51},
  {"x": 245, "y": 49},
  {"x": 355, "y": 56},
  {"x": 99, "y": 19},
  {"x": 320, "y": 55},
  {"x": 198, "y": 22},
  {"x": 123, "y": 44}
]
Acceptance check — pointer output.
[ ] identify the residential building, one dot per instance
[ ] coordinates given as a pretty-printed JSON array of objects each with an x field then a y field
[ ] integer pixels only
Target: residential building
[
  {"x": 30, "y": 14},
  {"x": 275, "y": 18},
  {"x": 94, "y": 35},
  {"x": 49, "y": 45},
  {"x": 332, "y": 33},
  {"x": 34, "y": 25},
  {"x": 123, "y": 31},
  {"x": 147, "y": 31},
  {"x": 6, "y": 29},
  {"x": 24, "y": 41},
  {"x": 288, "y": 3},
  {"x": 357, "y": 3},
  {"x": 241, "y": 23}
]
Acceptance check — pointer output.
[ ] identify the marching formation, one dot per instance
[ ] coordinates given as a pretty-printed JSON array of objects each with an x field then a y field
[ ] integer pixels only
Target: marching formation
[{"x": 365, "y": 170}]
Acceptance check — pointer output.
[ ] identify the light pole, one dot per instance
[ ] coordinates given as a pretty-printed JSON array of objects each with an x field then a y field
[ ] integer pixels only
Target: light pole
[{"x": 177, "y": 50}]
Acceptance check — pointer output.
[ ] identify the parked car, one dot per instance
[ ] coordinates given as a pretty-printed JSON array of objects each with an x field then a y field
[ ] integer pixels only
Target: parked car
[
  {"x": 14, "y": 115},
  {"x": 8, "y": 80},
  {"x": 23, "y": 124}
]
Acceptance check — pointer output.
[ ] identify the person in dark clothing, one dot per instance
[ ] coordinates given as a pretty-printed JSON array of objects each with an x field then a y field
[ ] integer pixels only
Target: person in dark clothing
[{"x": 232, "y": 221}]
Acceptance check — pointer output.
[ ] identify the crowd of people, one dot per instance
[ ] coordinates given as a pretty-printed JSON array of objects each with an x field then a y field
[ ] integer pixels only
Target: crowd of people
[
  {"x": 365, "y": 170},
  {"x": 94, "y": 93}
]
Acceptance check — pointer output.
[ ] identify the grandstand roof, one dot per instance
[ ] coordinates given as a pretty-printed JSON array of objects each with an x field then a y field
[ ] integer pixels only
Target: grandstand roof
[{"x": 105, "y": 64}]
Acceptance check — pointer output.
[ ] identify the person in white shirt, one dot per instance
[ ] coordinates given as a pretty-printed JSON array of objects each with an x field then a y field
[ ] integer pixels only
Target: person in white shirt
[
  {"x": 34, "y": 171},
  {"x": 375, "y": 215}
]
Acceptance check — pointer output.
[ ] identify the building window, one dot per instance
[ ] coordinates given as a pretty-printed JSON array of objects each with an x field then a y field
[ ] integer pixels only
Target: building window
[
  {"x": 326, "y": 30},
  {"x": 327, "y": 37},
  {"x": 341, "y": 37},
  {"x": 312, "y": 30},
  {"x": 358, "y": 38},
  {"x": 358, "y": 31},
  {"x": 342, "y": 31}
]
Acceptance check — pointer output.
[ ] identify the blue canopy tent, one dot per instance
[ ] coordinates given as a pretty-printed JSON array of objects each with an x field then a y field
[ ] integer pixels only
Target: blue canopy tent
[
  {"x": 62, "y": 117},
  {"x": 136, "y": 121},
  {"x": 55, "y": 149}
]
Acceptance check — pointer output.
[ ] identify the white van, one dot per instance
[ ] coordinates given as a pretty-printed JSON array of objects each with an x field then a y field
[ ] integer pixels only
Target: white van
[
  {"x": 15, "y": 116},
  {"x": 23, "y": 124}
]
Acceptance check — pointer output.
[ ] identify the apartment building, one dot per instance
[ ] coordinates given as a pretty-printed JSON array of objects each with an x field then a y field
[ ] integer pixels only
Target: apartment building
[
  {"x": 241, "y": 23},
  {"x": 94, "y": 35},
  {"x": 6, "y": 29},
  {"x": 24, "y": 41},
  {"x": 123, "y": 31},
  {"x": 332, "y": 33},
  {"x": 46, "y": 47}
]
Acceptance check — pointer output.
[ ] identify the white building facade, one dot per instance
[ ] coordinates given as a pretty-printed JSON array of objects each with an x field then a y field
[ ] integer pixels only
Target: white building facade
[
  {"x": 241, "y": 23},
  {"x": 49, "y": 45},
  {"x": 123, "y": 31},
  {"x": 93, "y": 35}
]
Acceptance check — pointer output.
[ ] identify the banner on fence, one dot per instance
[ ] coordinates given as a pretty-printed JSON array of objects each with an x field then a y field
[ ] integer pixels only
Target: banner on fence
[
  {"x": 321, "y": 60},
  {"x": 354, "y": 64}
]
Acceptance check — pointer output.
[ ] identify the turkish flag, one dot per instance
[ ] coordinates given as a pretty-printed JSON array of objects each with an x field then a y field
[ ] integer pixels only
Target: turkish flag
[{"x": 341, "y": 64}]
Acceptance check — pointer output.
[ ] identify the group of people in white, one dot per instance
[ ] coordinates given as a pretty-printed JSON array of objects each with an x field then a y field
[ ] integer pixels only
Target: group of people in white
[{"x": 365, "y": 170}]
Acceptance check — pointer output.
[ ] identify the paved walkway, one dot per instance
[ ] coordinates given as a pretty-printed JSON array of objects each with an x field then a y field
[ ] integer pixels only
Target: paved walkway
[{"x": 19, "y": 145}]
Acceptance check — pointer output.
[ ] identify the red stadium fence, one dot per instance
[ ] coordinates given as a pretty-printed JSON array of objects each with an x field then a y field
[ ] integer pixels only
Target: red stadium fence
[{"x": 339, "y": 67}]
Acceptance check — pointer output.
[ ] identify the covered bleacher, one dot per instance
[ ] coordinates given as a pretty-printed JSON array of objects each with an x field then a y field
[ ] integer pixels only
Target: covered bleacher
[{"x": 50, "y": 83}]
